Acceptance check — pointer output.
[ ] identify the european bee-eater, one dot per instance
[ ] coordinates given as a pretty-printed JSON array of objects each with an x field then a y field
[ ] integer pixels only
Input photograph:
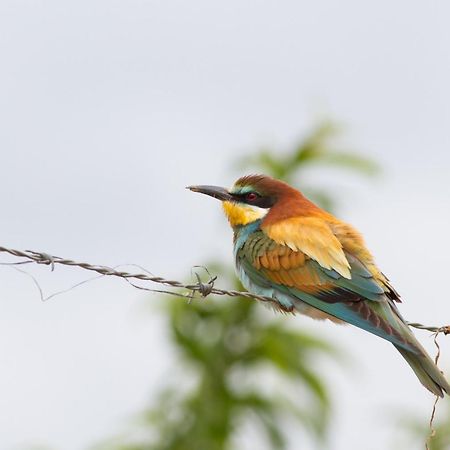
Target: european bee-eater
[{"x": 308, "y": 261}]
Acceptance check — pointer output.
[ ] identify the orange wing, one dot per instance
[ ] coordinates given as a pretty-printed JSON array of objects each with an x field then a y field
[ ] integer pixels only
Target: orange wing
[
  {"x": 313, "y": 237},
  {"x": 328, "y": 260}
]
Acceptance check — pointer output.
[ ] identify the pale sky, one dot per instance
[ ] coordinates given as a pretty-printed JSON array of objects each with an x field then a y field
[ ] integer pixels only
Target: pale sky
[{"x": 108, "y": 109}]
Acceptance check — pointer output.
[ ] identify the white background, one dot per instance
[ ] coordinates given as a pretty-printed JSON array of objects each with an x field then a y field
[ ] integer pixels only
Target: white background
[{"x": 109, "y": 108}]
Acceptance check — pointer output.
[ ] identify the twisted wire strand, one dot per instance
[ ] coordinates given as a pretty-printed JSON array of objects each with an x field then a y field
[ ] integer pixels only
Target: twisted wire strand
[{"x": 204, "y": 289}]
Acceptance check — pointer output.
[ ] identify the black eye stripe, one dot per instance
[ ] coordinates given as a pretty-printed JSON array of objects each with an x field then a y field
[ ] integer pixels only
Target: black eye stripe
[
  {"x": 260, "y": 200},
  {"x": 241, "y": 197}
]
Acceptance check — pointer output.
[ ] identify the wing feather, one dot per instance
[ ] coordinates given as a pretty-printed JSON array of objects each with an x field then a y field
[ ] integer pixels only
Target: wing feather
[
  {"x": 300, "y": 277},
  {"x": 314, "y": 238}
]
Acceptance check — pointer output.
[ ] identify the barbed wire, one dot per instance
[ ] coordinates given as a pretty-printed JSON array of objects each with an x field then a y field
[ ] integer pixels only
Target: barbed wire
[
  {"x": 444, "y": 330},
  {"x": 204, "y": 289},
  {"x": 432, "y": 430}
]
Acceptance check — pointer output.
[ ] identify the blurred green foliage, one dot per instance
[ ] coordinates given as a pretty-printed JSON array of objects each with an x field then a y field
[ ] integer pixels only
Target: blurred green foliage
[
  {"x": 238, "y": 365},
  {"x": 411, "y": 430},
  {"x": 319, "y": 149},
  {"x": 441, "y": 435}
]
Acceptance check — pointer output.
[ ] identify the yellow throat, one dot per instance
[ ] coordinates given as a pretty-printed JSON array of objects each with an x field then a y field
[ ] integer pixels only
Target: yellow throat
[{"x": 242, "y": 214}]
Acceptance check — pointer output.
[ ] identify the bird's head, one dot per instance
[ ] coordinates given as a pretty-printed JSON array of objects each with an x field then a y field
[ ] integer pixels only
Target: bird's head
[{"x": 251, "y": 198}]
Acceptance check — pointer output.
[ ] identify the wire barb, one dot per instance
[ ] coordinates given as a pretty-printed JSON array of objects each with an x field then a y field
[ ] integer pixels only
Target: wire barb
[
  {"x": 203, "y": 288},
  {"x": 44, "y": 258},
  {"x": 444, "y": 329}
]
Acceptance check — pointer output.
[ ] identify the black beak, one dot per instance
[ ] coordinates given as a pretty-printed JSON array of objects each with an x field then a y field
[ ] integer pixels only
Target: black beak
[{"x": 213, "y": 191}]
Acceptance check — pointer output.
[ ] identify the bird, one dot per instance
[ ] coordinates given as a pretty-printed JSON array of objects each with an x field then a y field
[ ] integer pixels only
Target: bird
[{"x": 307, "y": 261}]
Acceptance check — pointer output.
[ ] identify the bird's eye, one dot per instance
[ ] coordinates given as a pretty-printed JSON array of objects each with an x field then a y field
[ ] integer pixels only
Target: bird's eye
[{"x": 251, "y": 196}]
